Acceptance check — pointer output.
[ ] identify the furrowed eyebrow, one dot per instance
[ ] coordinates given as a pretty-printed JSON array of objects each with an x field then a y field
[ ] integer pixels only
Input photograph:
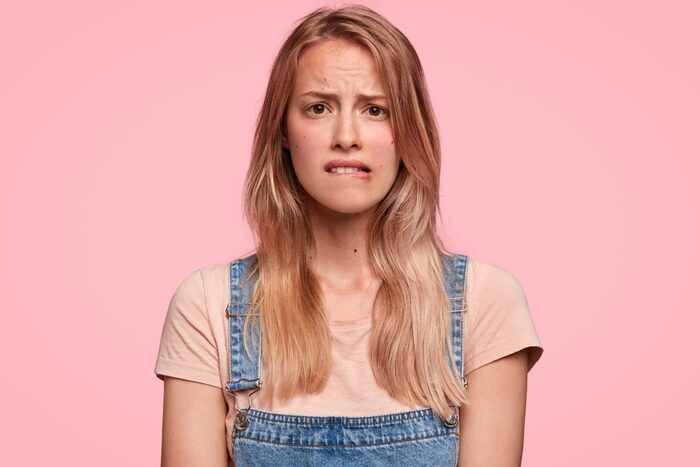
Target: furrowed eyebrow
[{"x": 330, "y": 95}]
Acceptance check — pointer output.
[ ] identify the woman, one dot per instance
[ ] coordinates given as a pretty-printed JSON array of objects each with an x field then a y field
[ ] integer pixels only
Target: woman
[{"x": 349, "y": 335}]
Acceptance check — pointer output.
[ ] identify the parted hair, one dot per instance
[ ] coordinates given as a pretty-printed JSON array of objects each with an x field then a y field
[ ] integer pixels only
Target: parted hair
[{"x": 410, "y": 335}]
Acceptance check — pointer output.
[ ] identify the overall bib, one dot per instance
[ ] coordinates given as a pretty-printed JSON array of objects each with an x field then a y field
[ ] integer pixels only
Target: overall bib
[{"x": 416, "y": 437}]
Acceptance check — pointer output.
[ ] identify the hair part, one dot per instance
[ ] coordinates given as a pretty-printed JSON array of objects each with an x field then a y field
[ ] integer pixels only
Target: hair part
[{"x": 411, "y": 333}]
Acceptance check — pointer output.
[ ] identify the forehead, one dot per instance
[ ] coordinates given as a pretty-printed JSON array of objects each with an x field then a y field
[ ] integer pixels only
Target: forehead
[{"x": 336, "y": 63}]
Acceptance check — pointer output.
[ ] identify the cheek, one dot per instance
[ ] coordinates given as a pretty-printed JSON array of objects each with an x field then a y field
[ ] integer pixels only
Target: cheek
[
  {"x": 389, "y": 160},
  {"x": 304, "y": 148},
  {"x": 303, "y": 139},
  {"x": 304, "y": 154}
]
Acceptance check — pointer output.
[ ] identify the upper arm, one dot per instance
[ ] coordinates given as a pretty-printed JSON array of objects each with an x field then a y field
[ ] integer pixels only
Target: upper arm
[
  {"x": 492, "y": 424},
  {"x": 194, "y": 425}
]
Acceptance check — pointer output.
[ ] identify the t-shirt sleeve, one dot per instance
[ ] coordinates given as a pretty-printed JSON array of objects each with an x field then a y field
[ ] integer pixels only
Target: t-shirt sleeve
[
  {"x": 187, "y": 345},
  {"x": 498, "y": 321}
]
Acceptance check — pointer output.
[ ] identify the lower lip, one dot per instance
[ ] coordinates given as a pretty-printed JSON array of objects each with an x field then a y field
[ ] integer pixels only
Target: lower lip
[{"x": 358, "y": 174}]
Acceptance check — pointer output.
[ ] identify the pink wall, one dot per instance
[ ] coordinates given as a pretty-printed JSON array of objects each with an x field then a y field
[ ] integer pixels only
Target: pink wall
[{"x": 571, "y": 158}]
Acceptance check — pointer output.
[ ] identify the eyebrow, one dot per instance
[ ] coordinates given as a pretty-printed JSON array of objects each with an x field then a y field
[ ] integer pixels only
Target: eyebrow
[{"x": 331, "y": 95}]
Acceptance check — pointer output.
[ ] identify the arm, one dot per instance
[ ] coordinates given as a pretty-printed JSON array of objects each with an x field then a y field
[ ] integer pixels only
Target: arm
[
  {"x": 194, "y": 430},
  {"x": 492, "y": 426}
]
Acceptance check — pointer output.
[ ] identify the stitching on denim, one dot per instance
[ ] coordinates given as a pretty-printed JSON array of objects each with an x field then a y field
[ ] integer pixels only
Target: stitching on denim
[
  {"x": 343, "y": 446},
  {"x": 341, "y": 421},
  {"x": 463, "y": 296}
]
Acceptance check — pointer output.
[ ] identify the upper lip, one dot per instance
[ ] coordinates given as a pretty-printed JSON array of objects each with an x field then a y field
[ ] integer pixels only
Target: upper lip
[{"x": 345, "y": 163}]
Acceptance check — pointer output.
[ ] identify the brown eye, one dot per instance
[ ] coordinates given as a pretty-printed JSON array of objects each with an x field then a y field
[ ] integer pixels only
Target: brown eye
[
  {"x": 376, "y": 109},
  {"x": 319, "y": 108}
]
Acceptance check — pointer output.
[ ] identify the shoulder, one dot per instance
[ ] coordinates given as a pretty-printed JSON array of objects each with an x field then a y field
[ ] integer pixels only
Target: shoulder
[
  {"x": 215, "y": 276},
  {"x": 196, "y": 283},
  {"x": 200, "y": 294},
  {"x": 210, "y": 283},
  {"x": 486, "y": 279},
  {"x": 490, "y": 281}
]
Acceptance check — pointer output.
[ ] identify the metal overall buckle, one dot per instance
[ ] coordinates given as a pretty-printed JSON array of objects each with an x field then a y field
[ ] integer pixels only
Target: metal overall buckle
[
  {"x": 241, "y": 421},
  {"x": 453, "y": 419}
]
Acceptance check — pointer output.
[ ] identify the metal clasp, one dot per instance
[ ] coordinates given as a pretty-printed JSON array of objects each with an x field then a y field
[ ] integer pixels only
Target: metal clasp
[
  {"x": 241, "y": 421},
  {"x": 453, "y": 419}
]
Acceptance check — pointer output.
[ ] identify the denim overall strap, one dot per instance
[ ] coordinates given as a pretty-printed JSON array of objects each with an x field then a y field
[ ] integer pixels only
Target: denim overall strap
[
  {"x": 245, "y": 369},
  {"x": 455, "y": 284}
]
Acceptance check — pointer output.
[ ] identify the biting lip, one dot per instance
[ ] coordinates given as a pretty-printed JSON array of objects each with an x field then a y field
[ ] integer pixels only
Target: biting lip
[{"x": 346, "y": 163}]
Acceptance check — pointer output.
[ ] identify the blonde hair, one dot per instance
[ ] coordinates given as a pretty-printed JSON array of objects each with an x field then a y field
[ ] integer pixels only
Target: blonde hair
[{"x": 411, "y": 336}]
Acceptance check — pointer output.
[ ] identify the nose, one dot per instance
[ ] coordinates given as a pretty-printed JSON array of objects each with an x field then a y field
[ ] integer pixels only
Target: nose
[{"x": 346, "y": 133}]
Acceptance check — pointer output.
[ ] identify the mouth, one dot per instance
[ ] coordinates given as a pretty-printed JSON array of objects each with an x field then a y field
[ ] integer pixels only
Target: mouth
[
  {"x": 346, "y": 170},
  {"x": 346, "y": 166}
]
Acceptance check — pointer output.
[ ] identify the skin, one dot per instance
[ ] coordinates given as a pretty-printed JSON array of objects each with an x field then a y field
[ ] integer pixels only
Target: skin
[
  {"x": 194, "y": 430},
  {"x": 320, "y": 129},
  {"x": 492, "y": 426}
]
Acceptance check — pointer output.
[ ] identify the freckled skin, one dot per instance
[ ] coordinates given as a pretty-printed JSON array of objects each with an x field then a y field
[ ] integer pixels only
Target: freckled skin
[{"x": 321, "y": 129}]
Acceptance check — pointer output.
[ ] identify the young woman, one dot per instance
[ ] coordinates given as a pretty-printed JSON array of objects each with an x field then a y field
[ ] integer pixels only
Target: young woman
[{"x": 349, "y": 335}]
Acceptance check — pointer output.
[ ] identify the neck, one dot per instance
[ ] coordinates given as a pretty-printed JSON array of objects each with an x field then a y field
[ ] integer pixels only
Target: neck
[{"x": 339, "y": 254}]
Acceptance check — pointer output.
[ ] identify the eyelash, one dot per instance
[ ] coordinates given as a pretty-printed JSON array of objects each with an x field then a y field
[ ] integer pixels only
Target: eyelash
[{"x": 386, "y": 112}]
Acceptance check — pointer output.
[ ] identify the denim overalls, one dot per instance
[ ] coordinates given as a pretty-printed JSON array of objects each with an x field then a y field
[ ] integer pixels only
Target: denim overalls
[{"x": 416, "y": 438}]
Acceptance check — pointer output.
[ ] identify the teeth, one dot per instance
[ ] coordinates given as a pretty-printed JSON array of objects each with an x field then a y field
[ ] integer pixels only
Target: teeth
[{"x": 344, "y": 170}]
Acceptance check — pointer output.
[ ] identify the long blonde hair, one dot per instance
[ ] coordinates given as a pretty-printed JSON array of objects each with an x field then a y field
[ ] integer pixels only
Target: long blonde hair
[{"x": 411, "y": 336}]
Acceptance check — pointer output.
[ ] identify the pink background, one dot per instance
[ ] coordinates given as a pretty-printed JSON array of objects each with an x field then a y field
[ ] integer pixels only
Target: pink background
[{"x": 571, "y": 158}]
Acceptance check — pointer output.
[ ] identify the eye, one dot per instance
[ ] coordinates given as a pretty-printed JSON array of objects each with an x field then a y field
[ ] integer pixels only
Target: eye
[
  {"x": 316, "y": 109},
  {"x": 378, "y": 110}
]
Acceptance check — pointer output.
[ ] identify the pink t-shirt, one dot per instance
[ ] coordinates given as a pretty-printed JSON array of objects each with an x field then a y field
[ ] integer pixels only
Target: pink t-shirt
[{"x": 194, "y": 343}]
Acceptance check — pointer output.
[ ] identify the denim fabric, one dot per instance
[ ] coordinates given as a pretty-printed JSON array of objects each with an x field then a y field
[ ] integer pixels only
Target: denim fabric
[
  {"x": 245, "y": 367},
  {"x": 417, "y": 437}
]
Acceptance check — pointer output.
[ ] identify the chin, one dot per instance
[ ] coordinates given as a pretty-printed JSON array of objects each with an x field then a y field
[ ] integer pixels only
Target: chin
[
  {"x": 353, "y": 210},
  {"x": 345, "y": 208}
]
